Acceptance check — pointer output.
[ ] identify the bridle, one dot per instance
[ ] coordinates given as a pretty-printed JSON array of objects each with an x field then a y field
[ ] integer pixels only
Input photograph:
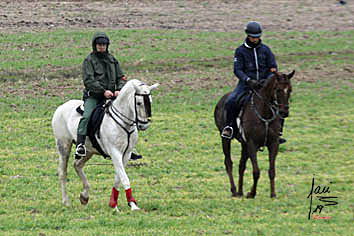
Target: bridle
[
  {"x": 273, "y": 106},
  {"x": 278, "y": 105},
  {"x": 274, "y": 110},
  {"x": 147, "y": 106},
  {"x": 118, "y": 116},
  {"x": 125, "y": 119}
]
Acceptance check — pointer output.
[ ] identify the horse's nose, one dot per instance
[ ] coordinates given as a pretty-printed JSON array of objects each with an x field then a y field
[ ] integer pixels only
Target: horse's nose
[{"x": 143, "y": 127}]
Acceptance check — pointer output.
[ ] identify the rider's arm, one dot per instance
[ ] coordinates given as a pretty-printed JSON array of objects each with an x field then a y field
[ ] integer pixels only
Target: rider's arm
[
  {"x": 239, "y": 63},
  {"x": 89, "y": 80}
]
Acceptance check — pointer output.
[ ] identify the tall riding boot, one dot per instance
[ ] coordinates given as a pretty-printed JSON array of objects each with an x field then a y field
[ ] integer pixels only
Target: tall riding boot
[
  {"x": 281, "y": 140},
  {"x": 80, "y": 146},
  {"x": 231, "y": 115},
  {"x": 135, "y": 155}
]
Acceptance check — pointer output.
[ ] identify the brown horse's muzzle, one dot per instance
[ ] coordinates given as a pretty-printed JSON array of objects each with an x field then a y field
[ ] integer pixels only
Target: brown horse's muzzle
[{"x": 284, "y": 111}]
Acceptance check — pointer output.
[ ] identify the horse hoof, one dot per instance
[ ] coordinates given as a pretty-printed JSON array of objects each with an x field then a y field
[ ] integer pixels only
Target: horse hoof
[
  {"x": 116, "y": 209},
  {"x": 237, "y": 195},
  {"x": 250, "y": 195},
  {"x": 273, "y": 195},
  {"x": 84, "y": 200},
  {"x": 134, "y": 207}
]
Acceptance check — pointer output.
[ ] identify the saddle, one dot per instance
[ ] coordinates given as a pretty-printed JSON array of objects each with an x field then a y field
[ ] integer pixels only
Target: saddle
[{"x": 94, "y": 125}]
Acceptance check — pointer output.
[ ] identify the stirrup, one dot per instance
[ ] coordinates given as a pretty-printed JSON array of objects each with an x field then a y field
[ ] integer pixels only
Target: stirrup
[
  {"x": 80, "y": 151},
  {"x": 228, "y": 136}
]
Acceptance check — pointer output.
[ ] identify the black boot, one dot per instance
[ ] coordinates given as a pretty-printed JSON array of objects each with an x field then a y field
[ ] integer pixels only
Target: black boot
[
  {"x": 80, "y": 146},
  {"x": 232, "y": 111},
  {"x": 135, "y": 156},
  {"x": 281, "y": 140}
]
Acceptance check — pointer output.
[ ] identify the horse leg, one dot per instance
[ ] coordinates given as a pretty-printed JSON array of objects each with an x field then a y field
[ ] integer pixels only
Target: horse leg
[
  {"x": 256, "y": 172},
  {"x": 241, "y": 169},
  {"x": 120, "y": 173},
  {"x": 226, "y": 147},
  {"x": 64, "y": 149},
  {"x": 273, "y": 151},
  {"x": 79, "y": 165},
  {"x": 113, "y": 202}
]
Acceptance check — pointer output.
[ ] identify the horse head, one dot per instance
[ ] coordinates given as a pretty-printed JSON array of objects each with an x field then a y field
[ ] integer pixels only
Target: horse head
[
  {"x": 142, "y": 104},
  {"x": 276, "y": 90},
  {"x": 134, "y": 103},
  {"x": 282, "y": 91}
]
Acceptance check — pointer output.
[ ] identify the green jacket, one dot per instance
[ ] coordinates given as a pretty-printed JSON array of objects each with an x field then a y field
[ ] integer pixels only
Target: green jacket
[{"x": 101, "y": 72}]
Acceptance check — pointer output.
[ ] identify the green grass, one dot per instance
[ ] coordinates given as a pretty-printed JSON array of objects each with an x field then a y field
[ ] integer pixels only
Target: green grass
[
  {"x": 181, "y": 183},
  {"x": 59, "y": 54}
]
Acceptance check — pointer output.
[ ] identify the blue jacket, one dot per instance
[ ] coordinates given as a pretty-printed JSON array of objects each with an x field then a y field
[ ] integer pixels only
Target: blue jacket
[{"x": 253, "y": 63}]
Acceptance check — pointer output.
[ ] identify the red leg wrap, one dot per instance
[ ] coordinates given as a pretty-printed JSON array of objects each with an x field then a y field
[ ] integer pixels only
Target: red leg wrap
[
  {"x": 114, "y": 198},
  {"x": 129, "y": 196}
]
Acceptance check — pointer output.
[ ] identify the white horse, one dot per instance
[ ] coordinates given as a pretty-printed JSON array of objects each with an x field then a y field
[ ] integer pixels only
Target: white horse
[{"x": 129, "y": 112}]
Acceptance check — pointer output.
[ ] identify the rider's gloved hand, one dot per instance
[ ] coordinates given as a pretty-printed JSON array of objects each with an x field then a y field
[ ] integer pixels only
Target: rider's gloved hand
[
  {"x": 254, "y": 84},
  {"x": 108, "y": 94}
]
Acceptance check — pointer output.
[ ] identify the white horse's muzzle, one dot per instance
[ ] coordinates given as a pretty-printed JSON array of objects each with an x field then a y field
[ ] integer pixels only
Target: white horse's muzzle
[{"x": 143, "y": 127}]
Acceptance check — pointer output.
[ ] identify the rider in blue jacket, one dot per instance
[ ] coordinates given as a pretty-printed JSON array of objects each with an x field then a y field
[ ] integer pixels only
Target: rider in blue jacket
[{"x": 253, "y": 62}]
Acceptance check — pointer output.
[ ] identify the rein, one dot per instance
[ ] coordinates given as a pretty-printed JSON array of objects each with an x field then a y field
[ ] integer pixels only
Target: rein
[
  {"x": 113, "y": 112},
  {"x": 130, "y": 122},
  {"x": 129, "y": 133},
  {"x": 278, "y": 106},
  {"x": 275, "y": 113}
]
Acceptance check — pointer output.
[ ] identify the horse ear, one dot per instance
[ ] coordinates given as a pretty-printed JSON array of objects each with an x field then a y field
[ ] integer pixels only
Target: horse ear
[
  {"x": 153, "y": 86},
  {"x": 291, "y": 74}
]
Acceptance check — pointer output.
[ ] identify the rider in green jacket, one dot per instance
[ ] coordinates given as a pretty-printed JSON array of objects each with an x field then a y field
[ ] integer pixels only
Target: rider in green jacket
[{"x": 103, "y": 78}]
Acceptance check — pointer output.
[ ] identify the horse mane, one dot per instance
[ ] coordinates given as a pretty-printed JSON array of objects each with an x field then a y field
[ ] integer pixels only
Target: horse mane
[
  {"x": 128, "y": 90},
  {"x": 128, "y": 87},
  {"x": 269, "y": 85}
]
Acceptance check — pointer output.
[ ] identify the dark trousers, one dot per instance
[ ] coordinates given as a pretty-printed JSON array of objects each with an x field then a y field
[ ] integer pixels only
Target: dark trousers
[
  {"x": 233, "y": 105},
  {"x": 89, "y": 106}
]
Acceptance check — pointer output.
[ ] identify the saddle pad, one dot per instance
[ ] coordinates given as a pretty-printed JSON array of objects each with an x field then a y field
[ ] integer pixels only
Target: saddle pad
[{"x": 94, "y": 126}]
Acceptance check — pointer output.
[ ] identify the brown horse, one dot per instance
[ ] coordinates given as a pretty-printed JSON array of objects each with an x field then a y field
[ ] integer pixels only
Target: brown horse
[{"x": 261, "y": 124}]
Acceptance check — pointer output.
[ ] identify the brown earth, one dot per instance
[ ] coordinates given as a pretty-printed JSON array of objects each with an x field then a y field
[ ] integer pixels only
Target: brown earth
[{"x": 223, "y": 15}]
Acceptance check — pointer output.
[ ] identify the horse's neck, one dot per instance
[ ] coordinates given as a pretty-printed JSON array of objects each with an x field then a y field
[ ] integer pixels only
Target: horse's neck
[
  {"x": 262, "y": 103},
  {"x": 266, "y": 92},
  {"x": 125, "y": 103}
]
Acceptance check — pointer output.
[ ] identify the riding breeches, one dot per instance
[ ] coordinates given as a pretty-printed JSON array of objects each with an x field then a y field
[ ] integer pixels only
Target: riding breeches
[
  {"x": 89, "y": 106},
  {"x": 233, "y": 106}
]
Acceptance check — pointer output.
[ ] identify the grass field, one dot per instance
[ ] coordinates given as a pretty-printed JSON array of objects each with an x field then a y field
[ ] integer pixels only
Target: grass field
[{"x": 180, "y": 184}]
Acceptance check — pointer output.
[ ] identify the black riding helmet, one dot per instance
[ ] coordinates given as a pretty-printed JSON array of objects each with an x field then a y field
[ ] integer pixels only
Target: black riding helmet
[
  {"x": 253, "y": 29},
  {"x": 99, "y": 37}
]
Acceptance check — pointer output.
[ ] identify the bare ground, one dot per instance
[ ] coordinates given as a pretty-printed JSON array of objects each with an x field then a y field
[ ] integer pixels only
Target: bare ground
[{"x": 223, "y": 15}]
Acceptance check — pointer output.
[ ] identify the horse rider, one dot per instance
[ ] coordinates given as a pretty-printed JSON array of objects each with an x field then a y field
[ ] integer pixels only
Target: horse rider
[
  {"x": 253, "y": 63},
  {"x": 103, "y": 79}
]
